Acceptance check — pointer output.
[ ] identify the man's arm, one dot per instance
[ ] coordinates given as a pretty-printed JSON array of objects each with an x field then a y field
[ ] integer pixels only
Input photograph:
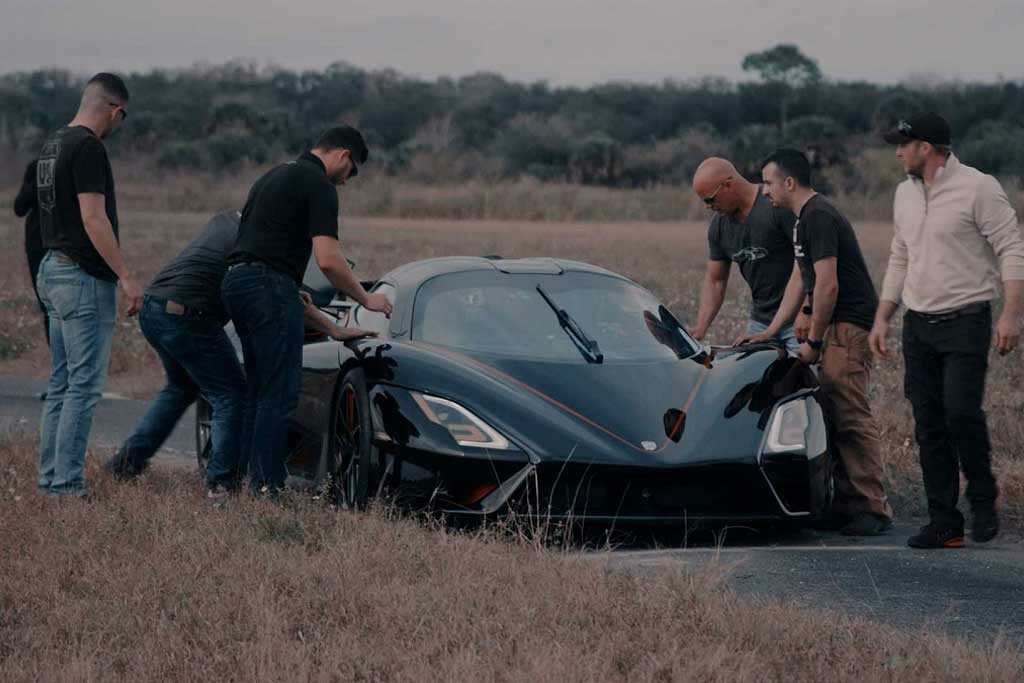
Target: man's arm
[
  {"x": 880, "y": 328},
  {"x": 712, "y": 294},
  {"x": 101, "y": 234},
  {"x": 997, "y": 222},
  {"x": 317, "y": 320},
  {"x": 892, "y": 289},
  {"x": 327, "y": 252},
  {"x": 826, "y": 291},
  {"x": 792, "y": 300},
  {"x": 26, "y": 200}
]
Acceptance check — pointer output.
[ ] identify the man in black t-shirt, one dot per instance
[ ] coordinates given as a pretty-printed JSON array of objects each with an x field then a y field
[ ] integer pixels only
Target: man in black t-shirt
[
  {"x": 840, "y": 298},
  {"x": 78, "y": 277},
  {"x": 748, "y": 231},
  {"x": 291, "y": 211}
]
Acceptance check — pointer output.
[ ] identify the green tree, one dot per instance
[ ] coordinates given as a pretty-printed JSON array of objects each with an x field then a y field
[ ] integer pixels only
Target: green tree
[{"x": 786, "y": 69}]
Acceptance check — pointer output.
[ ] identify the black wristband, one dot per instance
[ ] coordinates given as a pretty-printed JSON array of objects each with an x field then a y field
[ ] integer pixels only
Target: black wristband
[
  {"x": 816, "y": 344},
  {"x": 806, "y": 310}
]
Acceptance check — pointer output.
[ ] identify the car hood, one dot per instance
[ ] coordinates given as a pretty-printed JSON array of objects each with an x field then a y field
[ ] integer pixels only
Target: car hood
[{"x": 709, "y": 408}]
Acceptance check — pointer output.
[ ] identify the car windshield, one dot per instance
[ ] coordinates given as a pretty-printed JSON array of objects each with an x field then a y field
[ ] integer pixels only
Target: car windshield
[{"x": 506, "y": 314}]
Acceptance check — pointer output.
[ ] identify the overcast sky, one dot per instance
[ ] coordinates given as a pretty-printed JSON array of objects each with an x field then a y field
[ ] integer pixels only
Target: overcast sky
[{"x": 576, "y": 42}]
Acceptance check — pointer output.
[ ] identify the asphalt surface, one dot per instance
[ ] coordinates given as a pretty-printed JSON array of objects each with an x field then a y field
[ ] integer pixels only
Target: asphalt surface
[{"x": 976, "y": 592}]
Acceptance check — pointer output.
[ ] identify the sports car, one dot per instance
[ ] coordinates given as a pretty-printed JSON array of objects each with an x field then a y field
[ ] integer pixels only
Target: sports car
[{"x": 553, "y": 388}]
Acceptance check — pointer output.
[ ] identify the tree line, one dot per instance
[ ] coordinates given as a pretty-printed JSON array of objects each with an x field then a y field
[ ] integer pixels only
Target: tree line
[{"x": 215, "y": 117}]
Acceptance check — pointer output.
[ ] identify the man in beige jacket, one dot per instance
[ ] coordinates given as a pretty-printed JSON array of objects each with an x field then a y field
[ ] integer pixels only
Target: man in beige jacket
[{"x": 957, "y": 243}]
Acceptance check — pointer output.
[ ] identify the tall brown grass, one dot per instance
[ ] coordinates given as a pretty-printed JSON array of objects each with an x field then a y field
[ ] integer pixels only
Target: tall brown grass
[{"x": 148, "y": 582}]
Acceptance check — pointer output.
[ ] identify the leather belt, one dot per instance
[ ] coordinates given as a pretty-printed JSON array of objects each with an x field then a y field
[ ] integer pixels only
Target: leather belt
[{"x": 934, "y": 318}]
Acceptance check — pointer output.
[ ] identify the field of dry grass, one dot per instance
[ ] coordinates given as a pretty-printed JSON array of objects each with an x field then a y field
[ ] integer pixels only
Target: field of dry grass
[{"x": 150, "y": 583}]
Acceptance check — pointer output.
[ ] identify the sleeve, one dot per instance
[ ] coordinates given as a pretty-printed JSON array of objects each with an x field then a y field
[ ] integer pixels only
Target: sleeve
[
  {"x": 896, "y": 270},
  {"x": 822, "y": 231},
  {"x": 323, "y": 211},
  {"x": 715, "y": 250},
  {"x": 997, "y": 222},
  {"x": 26, "y": 200},
  {"x": 89, "y": 167},
  {"x": 784, "y": 221}
]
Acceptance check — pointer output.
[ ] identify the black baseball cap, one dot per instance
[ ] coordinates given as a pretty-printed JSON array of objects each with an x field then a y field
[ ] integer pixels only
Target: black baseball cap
[{"x": 925, "y": 126}]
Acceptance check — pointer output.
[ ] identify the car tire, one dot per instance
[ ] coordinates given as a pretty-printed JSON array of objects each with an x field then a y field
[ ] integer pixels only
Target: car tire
[
  {"x": 352, "y": 442},
  {"x": 204, "y": 445}
]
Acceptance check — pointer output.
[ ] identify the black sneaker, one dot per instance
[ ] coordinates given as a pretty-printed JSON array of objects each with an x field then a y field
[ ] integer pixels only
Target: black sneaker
[
  {"x": 867, "y": 524},
  {"x": 984, "y": 525},
  {"x": 122, "y": 467},
  {"x": 931, "y": 536}
]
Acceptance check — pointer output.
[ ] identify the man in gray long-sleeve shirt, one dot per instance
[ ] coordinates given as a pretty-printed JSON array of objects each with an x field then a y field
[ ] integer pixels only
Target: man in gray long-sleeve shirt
[{"x": 956, "y": 236}]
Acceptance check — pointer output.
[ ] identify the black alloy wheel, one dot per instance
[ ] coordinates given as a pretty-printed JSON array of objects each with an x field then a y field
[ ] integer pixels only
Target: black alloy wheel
[
  {"x": 204, "y": 429},
  {"x": 353, "y": 443}
]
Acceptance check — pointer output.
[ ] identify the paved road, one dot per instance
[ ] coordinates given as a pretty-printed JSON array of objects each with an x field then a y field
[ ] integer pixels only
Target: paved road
[{"x": 977, "y": 592}]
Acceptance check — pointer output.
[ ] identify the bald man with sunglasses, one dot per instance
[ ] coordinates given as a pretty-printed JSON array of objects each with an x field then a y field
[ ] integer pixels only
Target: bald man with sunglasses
[{"x": 748, "y": 231}]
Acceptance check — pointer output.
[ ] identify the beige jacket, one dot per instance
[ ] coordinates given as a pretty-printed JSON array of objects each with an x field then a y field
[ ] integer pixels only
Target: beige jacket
[{"x": 953, "y": 242}]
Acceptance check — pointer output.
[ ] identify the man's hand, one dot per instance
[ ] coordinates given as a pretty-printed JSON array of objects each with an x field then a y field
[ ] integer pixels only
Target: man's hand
[
  {"x": 307, "y": 300},
  {"x": 132, "y": 295},
  {"x": 807, "y": 354},
  {"x": 378, "y": 302},
  {"x": 765, "y": 336},
  {"x": 877, "y": 339},
  {"x": 344, "y": 334},
  {"x": 1007, "y": 334},
  {"x": 802, "y": 326}
]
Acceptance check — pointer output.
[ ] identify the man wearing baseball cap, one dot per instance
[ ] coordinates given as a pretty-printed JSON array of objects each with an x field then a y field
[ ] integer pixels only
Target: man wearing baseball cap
[{"x": 957, "y": 245}]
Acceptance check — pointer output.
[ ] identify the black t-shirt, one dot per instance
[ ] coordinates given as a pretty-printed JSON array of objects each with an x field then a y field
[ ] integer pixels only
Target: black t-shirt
[
  {"x": 822, "y": 232},
  {"x": 25, "y": 206},
  {"x": 286, "y": 209},
  {"x": 193, "y": 276},
  {"x": 73, "y": 161},
  {"x": 762, "y": 248}
]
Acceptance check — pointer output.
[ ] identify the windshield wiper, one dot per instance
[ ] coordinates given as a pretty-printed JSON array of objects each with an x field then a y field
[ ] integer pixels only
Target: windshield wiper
[{"x": 581, "y": 340}]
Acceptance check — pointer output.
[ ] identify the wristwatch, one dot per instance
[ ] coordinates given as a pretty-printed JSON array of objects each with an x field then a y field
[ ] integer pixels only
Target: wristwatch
[
  {"x": 806, "y": 310},
  {"x": 816, "y": 344}
]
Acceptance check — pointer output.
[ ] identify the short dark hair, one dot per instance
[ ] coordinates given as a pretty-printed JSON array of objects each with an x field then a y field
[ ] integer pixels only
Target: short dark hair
[
  {"x": 112, "y": 85},
  {"x": 793, "y": 163},
  {"x": 344, "y": 137}
]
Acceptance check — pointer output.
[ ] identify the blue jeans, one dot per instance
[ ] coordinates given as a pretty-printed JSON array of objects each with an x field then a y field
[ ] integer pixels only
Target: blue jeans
[
  {"x": 265, "y": 307},
  {"x": 786, "y": 337},
  {"x": 81, "y": 309},
  {"x": 198, "y": 359}
]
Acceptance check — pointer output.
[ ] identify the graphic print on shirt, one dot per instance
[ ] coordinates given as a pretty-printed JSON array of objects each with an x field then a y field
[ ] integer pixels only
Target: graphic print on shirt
[
  {"x": 797, "y": 249},
  {"x": 46, "y": 188},
  {"x": 750, "y": 254}
]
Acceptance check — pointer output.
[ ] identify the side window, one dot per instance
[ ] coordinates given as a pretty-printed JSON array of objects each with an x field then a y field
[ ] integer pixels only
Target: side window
[{"x": 371, "y": 320}]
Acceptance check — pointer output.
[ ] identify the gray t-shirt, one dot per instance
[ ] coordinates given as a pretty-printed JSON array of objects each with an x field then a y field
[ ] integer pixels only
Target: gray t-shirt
[
  {"x": 762, "y": 247},
  {"x": 193, "y": 276}
]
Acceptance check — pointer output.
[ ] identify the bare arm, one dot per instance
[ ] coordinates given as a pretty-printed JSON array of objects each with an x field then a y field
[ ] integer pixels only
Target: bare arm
[
  {"x": 317, "y": 320},
  {"x": 826, "y": 291},
  {"x": 712, "y": 294},
  {"x": 327, "y": 252},
  {"x": 101, "y": 234},
  {"x": 790, "y": 305}
]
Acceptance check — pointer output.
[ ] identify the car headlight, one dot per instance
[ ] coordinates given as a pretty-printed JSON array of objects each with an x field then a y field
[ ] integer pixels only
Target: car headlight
[
  {"x": 466, "y": 428},
  {"x": 788, "y": 430}
]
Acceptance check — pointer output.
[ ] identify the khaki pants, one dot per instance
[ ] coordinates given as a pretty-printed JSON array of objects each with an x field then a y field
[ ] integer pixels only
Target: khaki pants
[{"x": 845, "y": 377}]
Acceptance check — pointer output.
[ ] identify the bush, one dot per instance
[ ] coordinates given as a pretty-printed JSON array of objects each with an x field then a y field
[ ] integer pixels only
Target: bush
[
  {"x": 175, "y": 156},
  {"x": 995, "y": 147}
]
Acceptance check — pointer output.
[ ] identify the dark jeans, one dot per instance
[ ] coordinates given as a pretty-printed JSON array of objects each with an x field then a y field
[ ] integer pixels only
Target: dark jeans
[
  {"x": 198, "y": 359},
  {"x": 265, "y": 307},
  {"x": 945, "y": 383}
]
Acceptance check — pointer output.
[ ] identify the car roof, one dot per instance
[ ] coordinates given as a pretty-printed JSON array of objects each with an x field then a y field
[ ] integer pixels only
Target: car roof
[{"x": 410, "y": 275}]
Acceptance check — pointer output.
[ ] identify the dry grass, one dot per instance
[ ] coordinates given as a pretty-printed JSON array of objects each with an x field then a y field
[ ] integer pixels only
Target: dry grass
[{"x": 147, "y": 582}]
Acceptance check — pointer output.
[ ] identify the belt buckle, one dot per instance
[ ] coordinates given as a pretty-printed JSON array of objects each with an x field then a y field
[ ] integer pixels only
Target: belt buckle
[{"x": 174, "y": 308}]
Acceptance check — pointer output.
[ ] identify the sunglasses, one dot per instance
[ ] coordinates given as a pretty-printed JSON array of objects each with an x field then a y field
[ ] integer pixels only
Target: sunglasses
[{"x": 710, "y": 199}]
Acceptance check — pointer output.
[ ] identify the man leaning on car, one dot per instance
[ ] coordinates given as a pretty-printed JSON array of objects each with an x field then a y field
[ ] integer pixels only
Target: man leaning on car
[
  {"x": 956, "y": 236},
  {"x": 748, "y": 231},
  {"x": 291, "y": 210}
]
